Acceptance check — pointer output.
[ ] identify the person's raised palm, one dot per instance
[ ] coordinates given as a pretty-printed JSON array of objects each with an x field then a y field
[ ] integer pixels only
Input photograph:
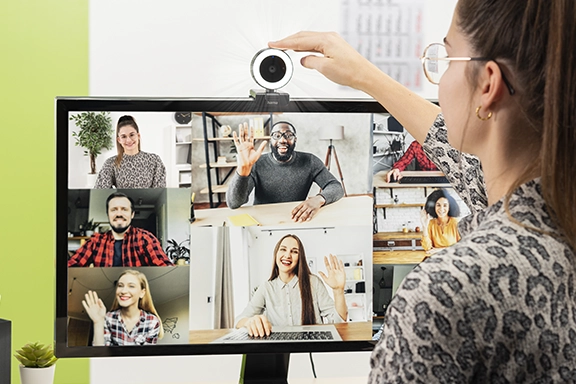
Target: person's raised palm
[
  {"x": 94, "y": 307},
  {"x": 424, "y": 220},
  {"x": 247, "y": 154},
  {"x": 336, "y": 278}
]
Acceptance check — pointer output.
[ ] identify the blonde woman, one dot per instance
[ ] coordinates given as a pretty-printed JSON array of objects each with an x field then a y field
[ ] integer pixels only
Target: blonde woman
[{"x": 133, "y": 320}]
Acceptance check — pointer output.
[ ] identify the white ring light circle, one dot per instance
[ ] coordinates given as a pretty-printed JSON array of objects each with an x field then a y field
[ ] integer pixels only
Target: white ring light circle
[{"x": 261, "y": 56}]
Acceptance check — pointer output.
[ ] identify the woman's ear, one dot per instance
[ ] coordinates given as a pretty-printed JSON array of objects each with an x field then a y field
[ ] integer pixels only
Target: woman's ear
[{"x": 492, "y": 85}]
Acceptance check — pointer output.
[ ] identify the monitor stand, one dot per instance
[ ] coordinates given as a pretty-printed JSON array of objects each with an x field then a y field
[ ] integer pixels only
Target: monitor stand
[{"x": 264, "y": 368}]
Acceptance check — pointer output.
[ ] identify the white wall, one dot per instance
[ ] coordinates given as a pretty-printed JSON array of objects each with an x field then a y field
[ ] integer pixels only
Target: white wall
[
  {"x": 194, "y": 48},
  {"x": 175, "y": 330},
  {"x": 152, "y": 136},
  {"x": 203, "y": 48}
]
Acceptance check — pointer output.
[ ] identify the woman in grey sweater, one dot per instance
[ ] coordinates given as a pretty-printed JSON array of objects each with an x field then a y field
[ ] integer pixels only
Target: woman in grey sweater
[{"x": 131, "y": 167}]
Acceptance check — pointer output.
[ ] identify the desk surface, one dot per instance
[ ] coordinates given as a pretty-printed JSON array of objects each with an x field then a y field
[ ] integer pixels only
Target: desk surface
[
  {"x": 349, "y": 211},
  {"x": 350, "y": 331}
]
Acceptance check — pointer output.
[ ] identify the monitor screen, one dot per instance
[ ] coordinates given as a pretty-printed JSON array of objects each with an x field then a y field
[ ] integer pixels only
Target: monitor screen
[{"x": 166, "y": 246}]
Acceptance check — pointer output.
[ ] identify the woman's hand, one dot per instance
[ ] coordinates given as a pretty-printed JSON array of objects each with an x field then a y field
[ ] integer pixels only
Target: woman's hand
[
  {"x": 94, "y": 307},
  {"x": 425, "y": 220},
  {"x": 336, "y": 278},
  {"x": 394, "y": 174},
  {"x": 341, "y": 63},
  {"x": 247, "y": 155},
  {"x": 258, "y": 326}
]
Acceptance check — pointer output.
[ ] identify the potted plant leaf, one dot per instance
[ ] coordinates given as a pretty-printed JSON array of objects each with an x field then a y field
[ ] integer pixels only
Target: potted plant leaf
[
  {"x": 94, "y": 134},
  {"x": 178, "y": 253},
  {"x": 36, "y": 363},
  {"x": 88, "y": 227}
]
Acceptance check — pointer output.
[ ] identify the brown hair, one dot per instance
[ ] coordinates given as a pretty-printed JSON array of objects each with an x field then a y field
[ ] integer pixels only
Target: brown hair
[
  {"x": 124, "y": 121},
  {"x": 144, "y": 303},
  {"x": 535, "y": 40},
  {"x": 303, "y": 273}
]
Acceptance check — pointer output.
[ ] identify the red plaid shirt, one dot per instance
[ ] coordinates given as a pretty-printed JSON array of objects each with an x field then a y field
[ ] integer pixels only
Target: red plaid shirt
[
  {"x": 414, "y": 151},
  {"x": 139, "y": 248},
  {"x": 145, "y": 332}
]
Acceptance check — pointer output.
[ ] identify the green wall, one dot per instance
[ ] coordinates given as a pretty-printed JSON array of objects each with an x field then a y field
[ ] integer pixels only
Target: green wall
[{"x": 44, "y": 54}]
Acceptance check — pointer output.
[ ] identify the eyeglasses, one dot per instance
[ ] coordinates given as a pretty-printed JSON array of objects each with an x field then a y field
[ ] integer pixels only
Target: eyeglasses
[
  {"x": 435, "y": 62},
  {"x": 131, "y": 136},
  {"x": 278, "y": 135}
]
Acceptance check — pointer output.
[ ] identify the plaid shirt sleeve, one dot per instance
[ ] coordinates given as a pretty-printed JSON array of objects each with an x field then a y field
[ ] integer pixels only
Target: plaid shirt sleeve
[
  {"x": 142, "y": 248},
  {"x": 415, "y": 150},
  {"x": 98, "y": 250}
]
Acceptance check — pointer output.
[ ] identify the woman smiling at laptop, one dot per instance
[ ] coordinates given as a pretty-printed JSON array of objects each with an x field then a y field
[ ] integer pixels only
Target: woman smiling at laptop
[{"x": 294, "y": 296}]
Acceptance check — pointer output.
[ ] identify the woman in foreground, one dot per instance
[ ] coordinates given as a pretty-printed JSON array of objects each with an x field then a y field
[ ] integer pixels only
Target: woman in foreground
[{"x": 500, "y": 305}]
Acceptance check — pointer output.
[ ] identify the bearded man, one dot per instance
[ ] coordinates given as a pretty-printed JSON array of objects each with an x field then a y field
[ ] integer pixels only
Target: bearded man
[
  {"x": 282, "y": 175},
  {"x": 123, "y": 245}
]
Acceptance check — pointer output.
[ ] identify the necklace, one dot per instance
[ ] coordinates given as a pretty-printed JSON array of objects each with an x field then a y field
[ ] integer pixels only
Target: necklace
[{"x": 442, "y": 225}]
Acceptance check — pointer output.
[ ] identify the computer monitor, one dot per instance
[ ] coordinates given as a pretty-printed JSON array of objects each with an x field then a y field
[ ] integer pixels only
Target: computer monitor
[{"x": 156, "y": 207}]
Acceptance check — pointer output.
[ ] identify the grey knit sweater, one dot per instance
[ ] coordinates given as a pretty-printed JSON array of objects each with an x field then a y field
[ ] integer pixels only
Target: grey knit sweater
[
  {"x": 497, "y": 307},
  {"x": 277, "y": 182}
]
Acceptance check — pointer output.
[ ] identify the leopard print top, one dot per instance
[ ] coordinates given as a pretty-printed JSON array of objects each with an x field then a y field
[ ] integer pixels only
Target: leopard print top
[
  {"x": 497, "y": 307},
  {"x": 142, "y": 170}
]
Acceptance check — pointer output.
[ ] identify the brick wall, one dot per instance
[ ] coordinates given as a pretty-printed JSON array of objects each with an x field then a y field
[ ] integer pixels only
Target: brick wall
[{"x": 409, "y": 216}]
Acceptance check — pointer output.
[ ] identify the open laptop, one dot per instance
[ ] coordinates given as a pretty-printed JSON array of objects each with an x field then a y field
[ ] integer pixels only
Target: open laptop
[
  {"x": 305, "y": 333},
  {"x": 423, "y": 177}
]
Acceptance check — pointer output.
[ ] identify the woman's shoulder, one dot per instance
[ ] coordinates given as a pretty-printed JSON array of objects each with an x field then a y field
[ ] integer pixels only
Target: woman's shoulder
[
  {"x": 148, "y": 315},
  {"x": 150, "y": 157},
  {"x": 113, "y": 314},
  {"x": 109, "y": 161},
  {"x": 315, "y": 280}
]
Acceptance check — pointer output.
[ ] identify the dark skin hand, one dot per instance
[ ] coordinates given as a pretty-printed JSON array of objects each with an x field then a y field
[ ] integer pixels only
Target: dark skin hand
[{"x": 306, "y": 210}]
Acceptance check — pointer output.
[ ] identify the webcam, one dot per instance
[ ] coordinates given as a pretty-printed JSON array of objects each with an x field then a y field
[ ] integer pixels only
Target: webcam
[{"x": 271, "y": 69}]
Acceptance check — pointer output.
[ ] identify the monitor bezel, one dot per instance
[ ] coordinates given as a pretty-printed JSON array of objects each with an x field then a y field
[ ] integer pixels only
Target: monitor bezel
[{"x": 65, "y": 105}]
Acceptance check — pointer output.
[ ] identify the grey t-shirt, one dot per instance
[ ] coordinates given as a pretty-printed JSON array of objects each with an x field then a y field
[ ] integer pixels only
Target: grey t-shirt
[{"x": 277, "y": 182}]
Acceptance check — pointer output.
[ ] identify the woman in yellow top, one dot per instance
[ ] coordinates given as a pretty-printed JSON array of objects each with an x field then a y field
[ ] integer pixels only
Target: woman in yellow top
[{"x": 439, "y": 223}]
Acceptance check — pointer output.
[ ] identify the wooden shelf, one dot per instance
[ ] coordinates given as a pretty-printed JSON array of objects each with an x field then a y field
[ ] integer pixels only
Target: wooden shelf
[
  {"x": 384, "y": 236},
  {"x": 398, "y": 257}
]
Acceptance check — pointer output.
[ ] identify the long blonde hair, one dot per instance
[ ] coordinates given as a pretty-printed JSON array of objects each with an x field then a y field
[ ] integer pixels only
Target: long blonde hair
[{"x": 144, "y": 303}]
